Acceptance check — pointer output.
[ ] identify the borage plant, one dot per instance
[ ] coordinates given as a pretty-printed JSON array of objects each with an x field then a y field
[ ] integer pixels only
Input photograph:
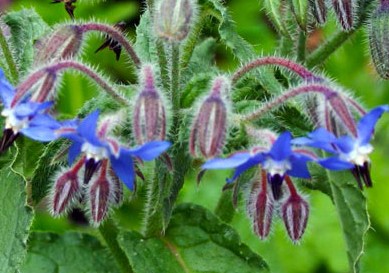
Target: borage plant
[{"x": 282, "y": 126}]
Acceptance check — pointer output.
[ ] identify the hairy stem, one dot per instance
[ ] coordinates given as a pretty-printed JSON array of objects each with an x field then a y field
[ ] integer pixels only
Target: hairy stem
[
  {"x": 116, "y": 35},
  {"x": 33, "y": 78},
  {"x": 291, "y": 93},
  {"x": 109, "y": 232},
  {"x": 175, "y": 78},
  {"x": 301, "y": 46},
  {"x": 9, "y": 58},
  {"x": 163, "y": 65},
  {"x": 279, "y": 61}
]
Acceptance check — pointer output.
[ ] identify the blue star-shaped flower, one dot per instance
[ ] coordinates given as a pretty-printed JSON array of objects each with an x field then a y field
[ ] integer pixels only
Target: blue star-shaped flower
[
  {"x": 281, "y": 160},
  {"x": 97, "y": 147},
  {"x": 24, "y": 117},
  {"x": 350, "y": 152}
]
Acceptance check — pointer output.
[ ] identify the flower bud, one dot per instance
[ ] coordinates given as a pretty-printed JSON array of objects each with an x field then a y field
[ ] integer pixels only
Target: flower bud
[
  {"x": 100, "y": 194},
  {"x": 173, "y": 18},
  {"x": 67, "y": 189},
  {"x": 344, "y": 11},
  {"x": 295, "y": 212},
  {"x": 260, "y": 207},
  {"x": 379, "y": 39},
  {"x": 341, "y": 112},
  {"x": 210, "y": 125},
  {"x": 63, "y": 43},
  {"x": 113, "y": 44},
  {"x": 149, "y": 117},
  {"x": 319, "y": 10}
]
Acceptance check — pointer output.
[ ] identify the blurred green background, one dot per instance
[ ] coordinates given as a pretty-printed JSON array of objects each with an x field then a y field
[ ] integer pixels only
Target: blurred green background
[{"x": 322, "y": 248}]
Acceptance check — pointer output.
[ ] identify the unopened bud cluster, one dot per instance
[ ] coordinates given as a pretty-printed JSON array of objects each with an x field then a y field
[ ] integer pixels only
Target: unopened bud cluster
[{"x": 262, "y": 208}]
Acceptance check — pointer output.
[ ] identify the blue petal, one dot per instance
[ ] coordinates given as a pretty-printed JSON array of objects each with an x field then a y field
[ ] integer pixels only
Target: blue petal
[
  {"x": 30, "y": 108},
  {"x": 150, "y": 150},
  {"x": 39, "y": 133},
  {"x": 345, "y": 144},
  {"x": 124, "y": 168},
  {"x": 7, "y": 91},
  {"x": 335, "y": 164},
  {"x": 367, "y": 123},
  {"x": 227, "y": 163},
  {"x": 281, "y": 148},
  {"x": 74, "y": 151},
  {"x": 299, "y": 167},
  {"x": 45, "y": 120},
  {"x": 253, "y": 161},
  {"x": 320, "y": 138},
  {"x": 87, "y": 128}
]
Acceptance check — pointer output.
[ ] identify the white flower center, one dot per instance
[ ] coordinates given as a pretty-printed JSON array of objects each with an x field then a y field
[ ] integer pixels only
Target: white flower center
[
  {"x": 91, "y": 151},
  {"x": 274, "y": 167},
  {"x": 359, "y": 155},
  {"x": 13, "y": 122}
]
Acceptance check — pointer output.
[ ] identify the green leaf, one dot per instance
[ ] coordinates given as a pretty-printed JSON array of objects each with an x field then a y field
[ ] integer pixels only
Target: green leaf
[
  {"x": 274, "y": 11},
  {"x": 351, "y": 206},
  {"x": 15, "y": 219},
  {"x": 26, "y": 27},
  {"x": 195, "y": 241},
  {"x": 145, "y": 41},
  {"x": 67, "y": 253},
  {"x": 241, "y": 49},
  {"x": 300, "y": 12}
]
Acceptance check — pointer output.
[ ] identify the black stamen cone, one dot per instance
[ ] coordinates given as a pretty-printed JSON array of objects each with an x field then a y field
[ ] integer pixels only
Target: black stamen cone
[
  {"x": 276, "y": 183},
  {"x": 7, "y": 139},
  {"x": 90, "y": 167},
  {"x": 362, "y": 173},
  {"x": 365, "y": 171}
]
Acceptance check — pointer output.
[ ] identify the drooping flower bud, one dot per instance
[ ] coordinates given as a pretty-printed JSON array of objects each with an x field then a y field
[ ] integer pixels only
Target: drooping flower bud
[
  {"x": 113, "y": 44},
  {"x": 260, "y": 206},
  {"x": 63, "y": 43},
  {"x": 100, "y": 194},
  {"x": 379, "y": 39},
  {"x": 173, "y": 18},
  {"x": 344, "y": 11},
  {"x": 149, "y": 117},
  {"x": 66, "y": 190},
  {"x": 209, "y": 128},
  {"x": 319, "y": 11},
  {"x": 294, "y": 213}
]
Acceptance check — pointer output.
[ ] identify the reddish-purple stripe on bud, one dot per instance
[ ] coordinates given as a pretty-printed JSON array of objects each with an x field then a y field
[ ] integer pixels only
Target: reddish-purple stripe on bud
[
  {"x": 344, "y": 11},
  {"x": 260, "y": 207},
  {"x": 210, "y": 125},
  {"x": 342, "y": 113},
  {"x": 67, "y": 188},
  {"x": 63, "y": 43},
  {"x": 294, "y": 212},
  {"x": 319, "y": 11},
  {"x": 149, "y": 117},
  {"x": 100, "y": 194}
]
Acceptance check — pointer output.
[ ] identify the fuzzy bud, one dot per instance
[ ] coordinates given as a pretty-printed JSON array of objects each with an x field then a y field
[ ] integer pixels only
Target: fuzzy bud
[
  {"x": 100, "y": 195},
  {"x": 63, "y": 43},
  {"x": 149, "y": 117},
  {"x": 295, "y": 212},
  {"x": 319, "y": 11},
  {"x": 344, "y": 11},
  {"x": 173, "y": 19},
  {"x": 300, "y": 12},
  {"x": 210, "y": 125},
  {"x": 260, "y": 207},
  {"x": 67, "y": 188},
  {"x": 379, "y": 39}
]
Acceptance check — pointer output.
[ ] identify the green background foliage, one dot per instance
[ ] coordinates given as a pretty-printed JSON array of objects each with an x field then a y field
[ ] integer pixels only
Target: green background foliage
[{"x": 323, "y": 247}]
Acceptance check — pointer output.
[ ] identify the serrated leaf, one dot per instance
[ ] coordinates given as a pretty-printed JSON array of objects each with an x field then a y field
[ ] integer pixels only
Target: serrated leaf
[
  {"x": 195, "y": 241},
  {"x": 26, "y": 27},
  {"x": 351, "y": 206},
  {"x": 241, "y": 49},
  {"x": 145, "y": 41},
  {"x": 15, "y": 219},
  {"x": 67, "y": 253}
]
